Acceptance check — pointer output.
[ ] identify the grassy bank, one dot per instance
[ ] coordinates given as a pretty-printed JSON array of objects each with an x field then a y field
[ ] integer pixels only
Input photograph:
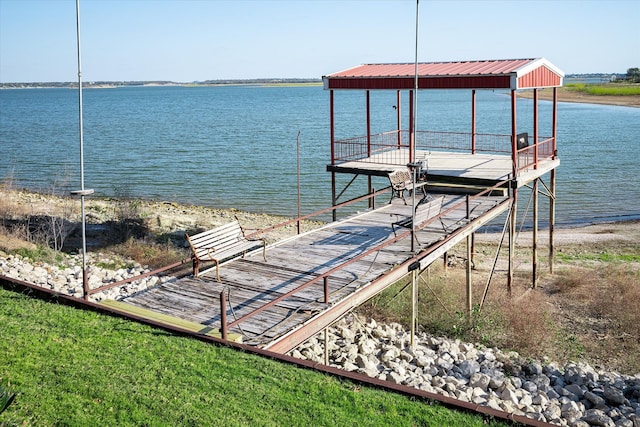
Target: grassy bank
[
  {"x": 74, "y": 367},
  {"x": 605, "y": 89},
  {"x": 607, "y": 94}
]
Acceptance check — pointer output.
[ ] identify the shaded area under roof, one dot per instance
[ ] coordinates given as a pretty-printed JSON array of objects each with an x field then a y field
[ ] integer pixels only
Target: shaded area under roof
[{"x": 487, "y": 74}]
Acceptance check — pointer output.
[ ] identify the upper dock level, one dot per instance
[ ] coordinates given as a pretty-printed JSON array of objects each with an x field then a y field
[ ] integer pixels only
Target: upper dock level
[{"x": 464, "y": 157}]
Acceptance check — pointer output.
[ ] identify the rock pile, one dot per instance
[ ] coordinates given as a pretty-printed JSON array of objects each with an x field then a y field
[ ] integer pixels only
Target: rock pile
[
  {"x": 67, "y": 278},
  {"x": 574, "y": 395}
]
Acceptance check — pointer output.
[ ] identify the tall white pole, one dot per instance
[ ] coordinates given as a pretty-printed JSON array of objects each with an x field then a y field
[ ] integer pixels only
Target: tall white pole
[
  {"x": 415, "y": 84},
  {"x": 412, "y": 154},
  {"x": 82, "y": 192}
]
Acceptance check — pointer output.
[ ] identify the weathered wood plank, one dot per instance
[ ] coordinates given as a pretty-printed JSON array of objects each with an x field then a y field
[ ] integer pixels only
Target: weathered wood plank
[
  {"x": 251, "y": 281},
  {"x": 167, "y": 320}
]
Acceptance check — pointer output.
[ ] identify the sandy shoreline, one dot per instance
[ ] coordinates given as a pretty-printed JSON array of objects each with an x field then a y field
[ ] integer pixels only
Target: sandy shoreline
[
  {"x": 585, "y": 234},
  {"x": 165, "y": 217},
  {"x": 567, "y": 95}
]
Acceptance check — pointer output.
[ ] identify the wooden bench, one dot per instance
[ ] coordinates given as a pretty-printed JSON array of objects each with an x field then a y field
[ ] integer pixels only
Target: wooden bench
[
  {"x": 401, "y": 180},
  {"x": 428, "y": 207},
  {"x": 221, "y": 243}
]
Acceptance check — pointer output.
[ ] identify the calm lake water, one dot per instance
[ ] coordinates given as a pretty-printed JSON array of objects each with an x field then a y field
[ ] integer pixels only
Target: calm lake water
[{"x": 235, "y": 146}]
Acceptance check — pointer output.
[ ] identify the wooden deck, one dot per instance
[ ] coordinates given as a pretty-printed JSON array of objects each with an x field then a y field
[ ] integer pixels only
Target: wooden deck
[
  {"x": 461, "y": 168},
  {"x": 358, "y": 256}
]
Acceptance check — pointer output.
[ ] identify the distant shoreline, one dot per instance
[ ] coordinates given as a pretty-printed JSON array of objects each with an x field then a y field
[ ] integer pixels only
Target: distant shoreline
[
  {"x": 568, "y": 95},
  {"x": 111, "y": 85},
  {"x": 564, "y": 94}
]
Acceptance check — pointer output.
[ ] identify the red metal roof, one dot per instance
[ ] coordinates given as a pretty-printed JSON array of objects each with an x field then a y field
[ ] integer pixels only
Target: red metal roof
[{"x": 488, "y": 74}]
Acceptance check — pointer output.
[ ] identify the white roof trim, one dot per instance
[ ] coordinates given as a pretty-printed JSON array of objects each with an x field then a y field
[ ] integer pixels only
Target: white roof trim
[{"x": 536, "y": 63}]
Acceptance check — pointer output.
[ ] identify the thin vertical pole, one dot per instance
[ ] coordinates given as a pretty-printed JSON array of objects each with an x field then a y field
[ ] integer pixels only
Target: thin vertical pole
[
  {"x": 412, "y": 151},
  {"x": 512, "y": 238},
  {"x": 514, "y": 190},
  {"x": 473, "y": 248},
  {"x": 411, "y": 122},
  {"x": 298, "y": 162},
  {"x": 534, "y": 254},
  {"x": 473, "y": 121},
  {"x": 369, "y": 141},
  {"x": 333, "y": 195},
  {"x": 399, "y": 117},
  {"x": 554, "y": 121},
  {"x": 223, "y": 315},
  {"x": 332, "y": 126},
  {"x": 552, "y": 196},
  {"x": 514, "y": 145},
  {"x": 552, "y": 218},
  {"x": 414, "y": 306},
  {"x": 468, "y": 275},
  {"x": 333, "y": 152},
  {"x": 414, "y": 228},
  {"x": 535, "y": 128},
  {"x": 326, "y": 290},
  {"x": 368, "y": 113},
  {"x": 82, "y": 192},
  {"x": 326, "y": 346}
]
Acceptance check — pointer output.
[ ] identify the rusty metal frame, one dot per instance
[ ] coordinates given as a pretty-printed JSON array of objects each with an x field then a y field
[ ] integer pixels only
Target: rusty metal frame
[{"x": 388, "y": 278}]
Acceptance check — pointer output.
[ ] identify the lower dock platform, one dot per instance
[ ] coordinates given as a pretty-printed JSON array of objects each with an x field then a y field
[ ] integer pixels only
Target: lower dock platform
[{"x": 310, "y": 280}]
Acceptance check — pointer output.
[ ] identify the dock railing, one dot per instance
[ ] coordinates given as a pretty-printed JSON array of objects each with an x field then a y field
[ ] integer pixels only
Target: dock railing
[
  {"x": 392, "y": 147},
  {"x": 527, "y": 157},
  {"x": 324, "y": 277}
]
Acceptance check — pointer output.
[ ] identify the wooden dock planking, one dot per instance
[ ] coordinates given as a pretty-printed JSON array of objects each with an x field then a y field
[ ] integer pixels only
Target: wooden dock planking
[
  {"x": 450, "y": 167},
  {"x": 251, "y": 282}
]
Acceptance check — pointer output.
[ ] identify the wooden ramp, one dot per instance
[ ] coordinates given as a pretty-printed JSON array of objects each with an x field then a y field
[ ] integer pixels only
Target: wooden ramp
[{"x": 356, "y": 258}]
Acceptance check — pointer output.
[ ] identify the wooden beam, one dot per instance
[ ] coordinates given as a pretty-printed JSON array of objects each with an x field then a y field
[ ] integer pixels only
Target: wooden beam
[{"x": 143, "y": 313}]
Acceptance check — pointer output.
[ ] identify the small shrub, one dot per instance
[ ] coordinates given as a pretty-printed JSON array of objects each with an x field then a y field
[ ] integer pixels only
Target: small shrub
[
  {"x": 40, "y": 253},
  {"x": 151, "y": 254},
  {"x": 528, "y": 327}
]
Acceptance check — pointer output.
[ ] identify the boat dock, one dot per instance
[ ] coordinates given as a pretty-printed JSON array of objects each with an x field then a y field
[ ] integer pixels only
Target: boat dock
[
  {"x": 310, "y": 280},
  {"x": 279, "y": 303}
]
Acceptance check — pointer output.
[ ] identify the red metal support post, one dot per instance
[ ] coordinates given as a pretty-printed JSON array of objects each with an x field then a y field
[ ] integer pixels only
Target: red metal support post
[
  {"x": 368, "y": 123},
  {"x": 473, "y": 121},
  {"x": 223, "y": 316},
  {"x": 399, "y": 117},
  {"x": 514, "y": 132},
  {"x": 554, "y": 121},
  {"x": 535, "y": 128},
  {"x": 332, "y": 130},
  {"x": 85, "y": 284},
  {"x": 369, "y": 183},
  {"x": 326, "y": 290}
]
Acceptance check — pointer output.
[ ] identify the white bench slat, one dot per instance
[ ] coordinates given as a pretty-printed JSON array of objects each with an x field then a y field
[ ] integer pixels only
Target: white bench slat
[
  {"x": 221, "y": 243},
  {"x": 424, "y": 212}
]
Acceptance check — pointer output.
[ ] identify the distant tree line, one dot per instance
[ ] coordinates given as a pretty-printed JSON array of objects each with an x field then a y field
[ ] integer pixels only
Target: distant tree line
[{"x": 633, "y": 75}]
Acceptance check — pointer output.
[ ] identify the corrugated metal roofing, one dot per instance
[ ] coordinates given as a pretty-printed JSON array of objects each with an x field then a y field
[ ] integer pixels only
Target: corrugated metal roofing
[{"x": 488, "y": 74}]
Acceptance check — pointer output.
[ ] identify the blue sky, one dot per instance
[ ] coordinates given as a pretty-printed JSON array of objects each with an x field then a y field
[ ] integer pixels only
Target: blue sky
[{"x": 195, "y": 40}]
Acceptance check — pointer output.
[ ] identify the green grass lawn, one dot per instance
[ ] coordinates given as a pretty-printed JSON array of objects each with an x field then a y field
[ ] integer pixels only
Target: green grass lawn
[{"x": 80, "y": 368}]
